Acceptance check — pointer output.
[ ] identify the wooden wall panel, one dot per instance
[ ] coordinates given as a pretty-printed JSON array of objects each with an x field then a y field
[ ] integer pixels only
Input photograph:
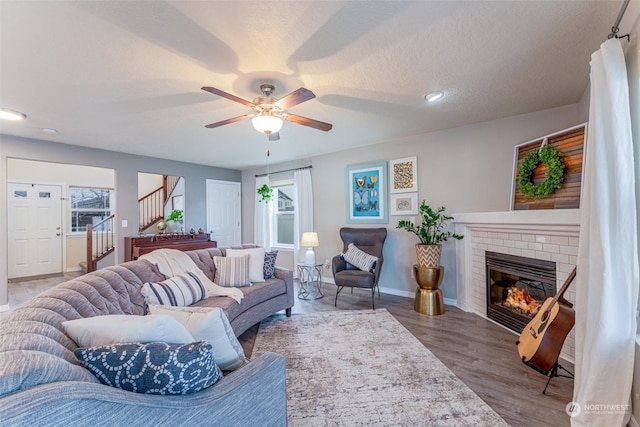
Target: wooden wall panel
[{"x": 571, "y": 144}]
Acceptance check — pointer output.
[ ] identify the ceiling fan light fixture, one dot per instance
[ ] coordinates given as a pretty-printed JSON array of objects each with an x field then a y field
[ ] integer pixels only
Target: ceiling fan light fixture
[{"x": 267, "y": 123}]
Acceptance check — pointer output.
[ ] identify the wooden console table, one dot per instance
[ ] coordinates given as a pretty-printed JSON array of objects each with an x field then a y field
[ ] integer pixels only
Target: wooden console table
[{"x": 136, "y": 246}]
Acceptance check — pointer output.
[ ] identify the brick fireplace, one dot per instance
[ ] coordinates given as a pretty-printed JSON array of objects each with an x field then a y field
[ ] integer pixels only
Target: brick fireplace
[{"x": 545, "y": 235}]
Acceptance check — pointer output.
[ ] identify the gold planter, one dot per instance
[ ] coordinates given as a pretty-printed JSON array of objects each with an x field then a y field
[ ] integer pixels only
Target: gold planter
[{"x": 428, "y": 295}]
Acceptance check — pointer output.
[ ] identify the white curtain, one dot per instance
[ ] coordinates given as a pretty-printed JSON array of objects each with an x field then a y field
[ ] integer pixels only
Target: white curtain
[
  {"x": 607, "y": 280},
  {"x": 262, "y": 217},
  {"x": 303, "y": 218}
]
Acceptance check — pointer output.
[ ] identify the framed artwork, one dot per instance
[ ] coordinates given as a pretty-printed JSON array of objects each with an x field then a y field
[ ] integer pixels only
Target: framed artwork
[
  {"x": 404, "y": 204},
  {"x": 403, "y": 174},
  {"x": 366, "y": 187}
]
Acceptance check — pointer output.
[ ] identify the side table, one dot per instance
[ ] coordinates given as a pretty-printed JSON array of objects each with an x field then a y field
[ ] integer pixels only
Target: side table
[{"x": 310, "y": 281}]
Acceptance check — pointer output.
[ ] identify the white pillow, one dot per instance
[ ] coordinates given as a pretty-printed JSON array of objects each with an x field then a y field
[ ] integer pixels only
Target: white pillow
[
  {"x": 359, "y": 258},
  {"x": 181, "y": 290},
  {"x": 120, "y": 328},
  {"x": 211, "y": 325},
  {"x": 256, "y": 262}
]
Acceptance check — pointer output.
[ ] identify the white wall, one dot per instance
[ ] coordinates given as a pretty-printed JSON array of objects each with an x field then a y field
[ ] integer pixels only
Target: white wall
[
  {"x": 466, "y": 169},
  {"x": 148, "y": 182}
]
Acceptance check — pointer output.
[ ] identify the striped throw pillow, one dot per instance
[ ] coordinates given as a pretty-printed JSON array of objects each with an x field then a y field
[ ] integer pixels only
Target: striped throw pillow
[
  {"x": 232, "y": 272},
  {"x": 358, "y": 258},
  {"x": 181, "y": 290}
]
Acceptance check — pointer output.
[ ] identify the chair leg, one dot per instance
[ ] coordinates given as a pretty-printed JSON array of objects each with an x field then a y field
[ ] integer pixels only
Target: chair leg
[
  {"x": 335, "y": 304},
  {"x": 373, "y": 298}
]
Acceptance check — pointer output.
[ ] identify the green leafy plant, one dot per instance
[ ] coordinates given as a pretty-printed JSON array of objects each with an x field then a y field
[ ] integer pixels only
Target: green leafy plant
[
  {"x": 429, "y": 231},
  {"x": 265, "y": 192},
  {"x": 175, "y": 215},
  {"x": 552, "y": 159}
]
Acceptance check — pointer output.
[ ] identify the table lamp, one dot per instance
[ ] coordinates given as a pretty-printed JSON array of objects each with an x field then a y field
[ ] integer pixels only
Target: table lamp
[{"x": 309, "y": 240}]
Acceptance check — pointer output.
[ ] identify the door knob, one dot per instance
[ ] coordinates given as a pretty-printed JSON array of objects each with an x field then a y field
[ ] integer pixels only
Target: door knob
[{"x": 58, "y": 234}]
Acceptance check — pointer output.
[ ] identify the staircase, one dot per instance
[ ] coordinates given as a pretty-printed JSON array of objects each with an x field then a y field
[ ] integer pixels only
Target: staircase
[
  {"x": 100, "y": 243},
  {"x": 151, "y": 206}
]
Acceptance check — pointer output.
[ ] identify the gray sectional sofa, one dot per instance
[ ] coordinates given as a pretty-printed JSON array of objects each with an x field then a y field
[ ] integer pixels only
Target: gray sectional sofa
[{"x": 42, "y": 383}]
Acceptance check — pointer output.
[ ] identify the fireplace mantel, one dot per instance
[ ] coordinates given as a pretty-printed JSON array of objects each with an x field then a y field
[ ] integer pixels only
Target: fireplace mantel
[{"x": 541, "y": 234}]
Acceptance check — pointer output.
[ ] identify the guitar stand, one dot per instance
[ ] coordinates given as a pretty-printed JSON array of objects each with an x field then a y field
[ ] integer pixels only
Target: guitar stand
[{"x": 554, "y": 373}]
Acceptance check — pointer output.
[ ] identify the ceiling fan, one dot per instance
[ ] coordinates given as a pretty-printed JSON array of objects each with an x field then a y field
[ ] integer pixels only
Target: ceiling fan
[{"x": 268, "y": 112}]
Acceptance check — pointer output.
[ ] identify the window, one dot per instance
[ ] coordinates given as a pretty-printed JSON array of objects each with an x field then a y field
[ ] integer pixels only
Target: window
[
  {"x": 283, "y": 217},
  {"x": 89, "y": 206}
]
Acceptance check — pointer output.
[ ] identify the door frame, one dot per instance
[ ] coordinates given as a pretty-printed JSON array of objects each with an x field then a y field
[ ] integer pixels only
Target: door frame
[{"x": 65, "y": 232}]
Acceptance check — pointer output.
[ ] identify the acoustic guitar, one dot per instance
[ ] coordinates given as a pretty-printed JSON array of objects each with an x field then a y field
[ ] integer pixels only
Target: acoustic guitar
[{"x": 542, "y": 339}]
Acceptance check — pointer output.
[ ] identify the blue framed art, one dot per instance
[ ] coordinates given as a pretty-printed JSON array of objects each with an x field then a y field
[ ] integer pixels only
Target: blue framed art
[{"x": 366, "y": 192}]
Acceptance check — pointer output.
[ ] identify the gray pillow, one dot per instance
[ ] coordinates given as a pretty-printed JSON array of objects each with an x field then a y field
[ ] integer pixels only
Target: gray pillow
[
  {"x": 359, "y": 259},
  {"x": 153, "y": 368}
]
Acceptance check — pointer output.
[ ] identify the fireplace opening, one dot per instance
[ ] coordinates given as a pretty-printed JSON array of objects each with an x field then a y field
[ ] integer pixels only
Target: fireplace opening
[{"x": 517, "y": 287}]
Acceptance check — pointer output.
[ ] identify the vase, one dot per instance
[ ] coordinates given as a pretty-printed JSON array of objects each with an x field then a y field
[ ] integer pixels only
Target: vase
[
  {"x": 429, "y": 255},
  {"x": 174, "y": 226}
]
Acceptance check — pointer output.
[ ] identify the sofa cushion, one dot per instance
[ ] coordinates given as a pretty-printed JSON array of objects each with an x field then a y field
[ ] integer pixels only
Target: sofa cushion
[
  {"x": 153, "y": 368},
  {"x": 359, "y": 259},
  {"x": 269, "y": 269},
  {"x": 356, "y": 278},
  {"x": 181, "y": 290},
  {"x": 256, "y": 262},
  {"x": 211, "y": 325},
  {"x": 254, "y": 295},
  {"x": 119, "y": 328},
  {"x": 232, "y": 271}
]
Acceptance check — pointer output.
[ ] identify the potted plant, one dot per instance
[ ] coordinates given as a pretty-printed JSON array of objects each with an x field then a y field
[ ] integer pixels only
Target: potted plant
[
  {"x": 266, "y": 193},
  {"x": 174, "y": 221},
  {"x": 430, "y": 233}
]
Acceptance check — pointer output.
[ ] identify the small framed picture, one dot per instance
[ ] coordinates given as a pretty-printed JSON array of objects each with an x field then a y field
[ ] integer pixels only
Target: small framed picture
[
  {"x": 404, "y": 204},
  {"x": 403, "y": 174}
]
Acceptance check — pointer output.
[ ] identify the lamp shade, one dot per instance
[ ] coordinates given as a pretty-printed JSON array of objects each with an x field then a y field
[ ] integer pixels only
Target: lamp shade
[
  {"x": 309, "y": 240},
  {"x": 267, "y": 123}
]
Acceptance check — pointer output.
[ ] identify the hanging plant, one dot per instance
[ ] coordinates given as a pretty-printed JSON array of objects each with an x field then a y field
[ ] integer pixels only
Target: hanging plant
[
  {"x": 266, "y": 193},
  {"x": 552, "y": 159}
]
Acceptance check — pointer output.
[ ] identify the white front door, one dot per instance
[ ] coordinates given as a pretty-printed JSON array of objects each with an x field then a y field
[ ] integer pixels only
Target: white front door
[
  {"x": 223, "y": 212},
  {"x": 34, "y": 215}
]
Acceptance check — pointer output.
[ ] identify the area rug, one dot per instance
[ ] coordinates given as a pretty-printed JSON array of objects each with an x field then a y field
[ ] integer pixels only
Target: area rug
[{"x": 363, "y": 368}]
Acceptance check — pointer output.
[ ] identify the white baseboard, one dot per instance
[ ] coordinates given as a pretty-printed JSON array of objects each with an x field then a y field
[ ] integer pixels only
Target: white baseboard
[
  {"x": 73, "y": 269},
  {"x": 4, "y": 308}
]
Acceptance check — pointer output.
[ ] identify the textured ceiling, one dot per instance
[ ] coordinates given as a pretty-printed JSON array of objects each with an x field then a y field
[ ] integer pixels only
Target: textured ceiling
[{"x": 126, "y": 75}]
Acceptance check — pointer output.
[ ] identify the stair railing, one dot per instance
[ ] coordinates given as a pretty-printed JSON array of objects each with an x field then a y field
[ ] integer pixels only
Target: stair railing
[{"x": 100, "y": 241}]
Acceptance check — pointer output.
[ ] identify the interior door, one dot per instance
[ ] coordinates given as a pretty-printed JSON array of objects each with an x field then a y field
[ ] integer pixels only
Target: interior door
[
  {"x": 223, "y": 212},
  {"x": 34, "y": 215}
]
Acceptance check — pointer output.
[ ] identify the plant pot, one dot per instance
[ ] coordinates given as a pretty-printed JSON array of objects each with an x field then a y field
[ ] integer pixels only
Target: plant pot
[
  {"x": 428, "y": 255},
  {"x": 174, "y": 226}
]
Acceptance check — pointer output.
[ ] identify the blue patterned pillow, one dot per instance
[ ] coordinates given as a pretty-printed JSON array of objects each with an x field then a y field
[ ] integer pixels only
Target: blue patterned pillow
[
  {"x": 270, "y": 264},
  {"x": 153, "y": 368}
]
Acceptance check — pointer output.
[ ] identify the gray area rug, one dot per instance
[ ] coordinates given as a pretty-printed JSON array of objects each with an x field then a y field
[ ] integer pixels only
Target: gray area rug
[{"x": 363, "y": 368}]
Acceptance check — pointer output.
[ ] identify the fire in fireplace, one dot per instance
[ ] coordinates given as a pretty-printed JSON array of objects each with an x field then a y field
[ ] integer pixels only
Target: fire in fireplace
[{"x": 516, "y": 288}]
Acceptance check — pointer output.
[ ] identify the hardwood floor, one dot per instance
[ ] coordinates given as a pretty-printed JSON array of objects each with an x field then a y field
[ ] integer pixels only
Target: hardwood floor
[{"x": 482, "y": 354}]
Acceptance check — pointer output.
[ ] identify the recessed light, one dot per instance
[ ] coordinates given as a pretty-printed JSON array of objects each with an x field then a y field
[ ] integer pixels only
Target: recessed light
[
  {"x": 434, "y": 96},
  {"x": 11, "y": 114},
  {"x": 49, "y": 130}
]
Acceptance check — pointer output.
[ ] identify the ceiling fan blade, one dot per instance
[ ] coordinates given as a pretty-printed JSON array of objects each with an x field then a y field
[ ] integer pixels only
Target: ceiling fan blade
[
  {"x": 223, "y": 94},
  {"x": 305, "y": 121},
  {"x": 226, "y": 122},
  {"x": 274, "y": 136},
  {"x": 294, "y": 98}
]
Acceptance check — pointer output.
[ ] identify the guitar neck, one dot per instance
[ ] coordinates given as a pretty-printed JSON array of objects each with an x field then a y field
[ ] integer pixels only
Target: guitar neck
[{"x": 564, "y": 287}]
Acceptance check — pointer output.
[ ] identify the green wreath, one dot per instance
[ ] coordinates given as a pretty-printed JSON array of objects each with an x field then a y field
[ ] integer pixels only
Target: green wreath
[{"x": 552, "y": 159}]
